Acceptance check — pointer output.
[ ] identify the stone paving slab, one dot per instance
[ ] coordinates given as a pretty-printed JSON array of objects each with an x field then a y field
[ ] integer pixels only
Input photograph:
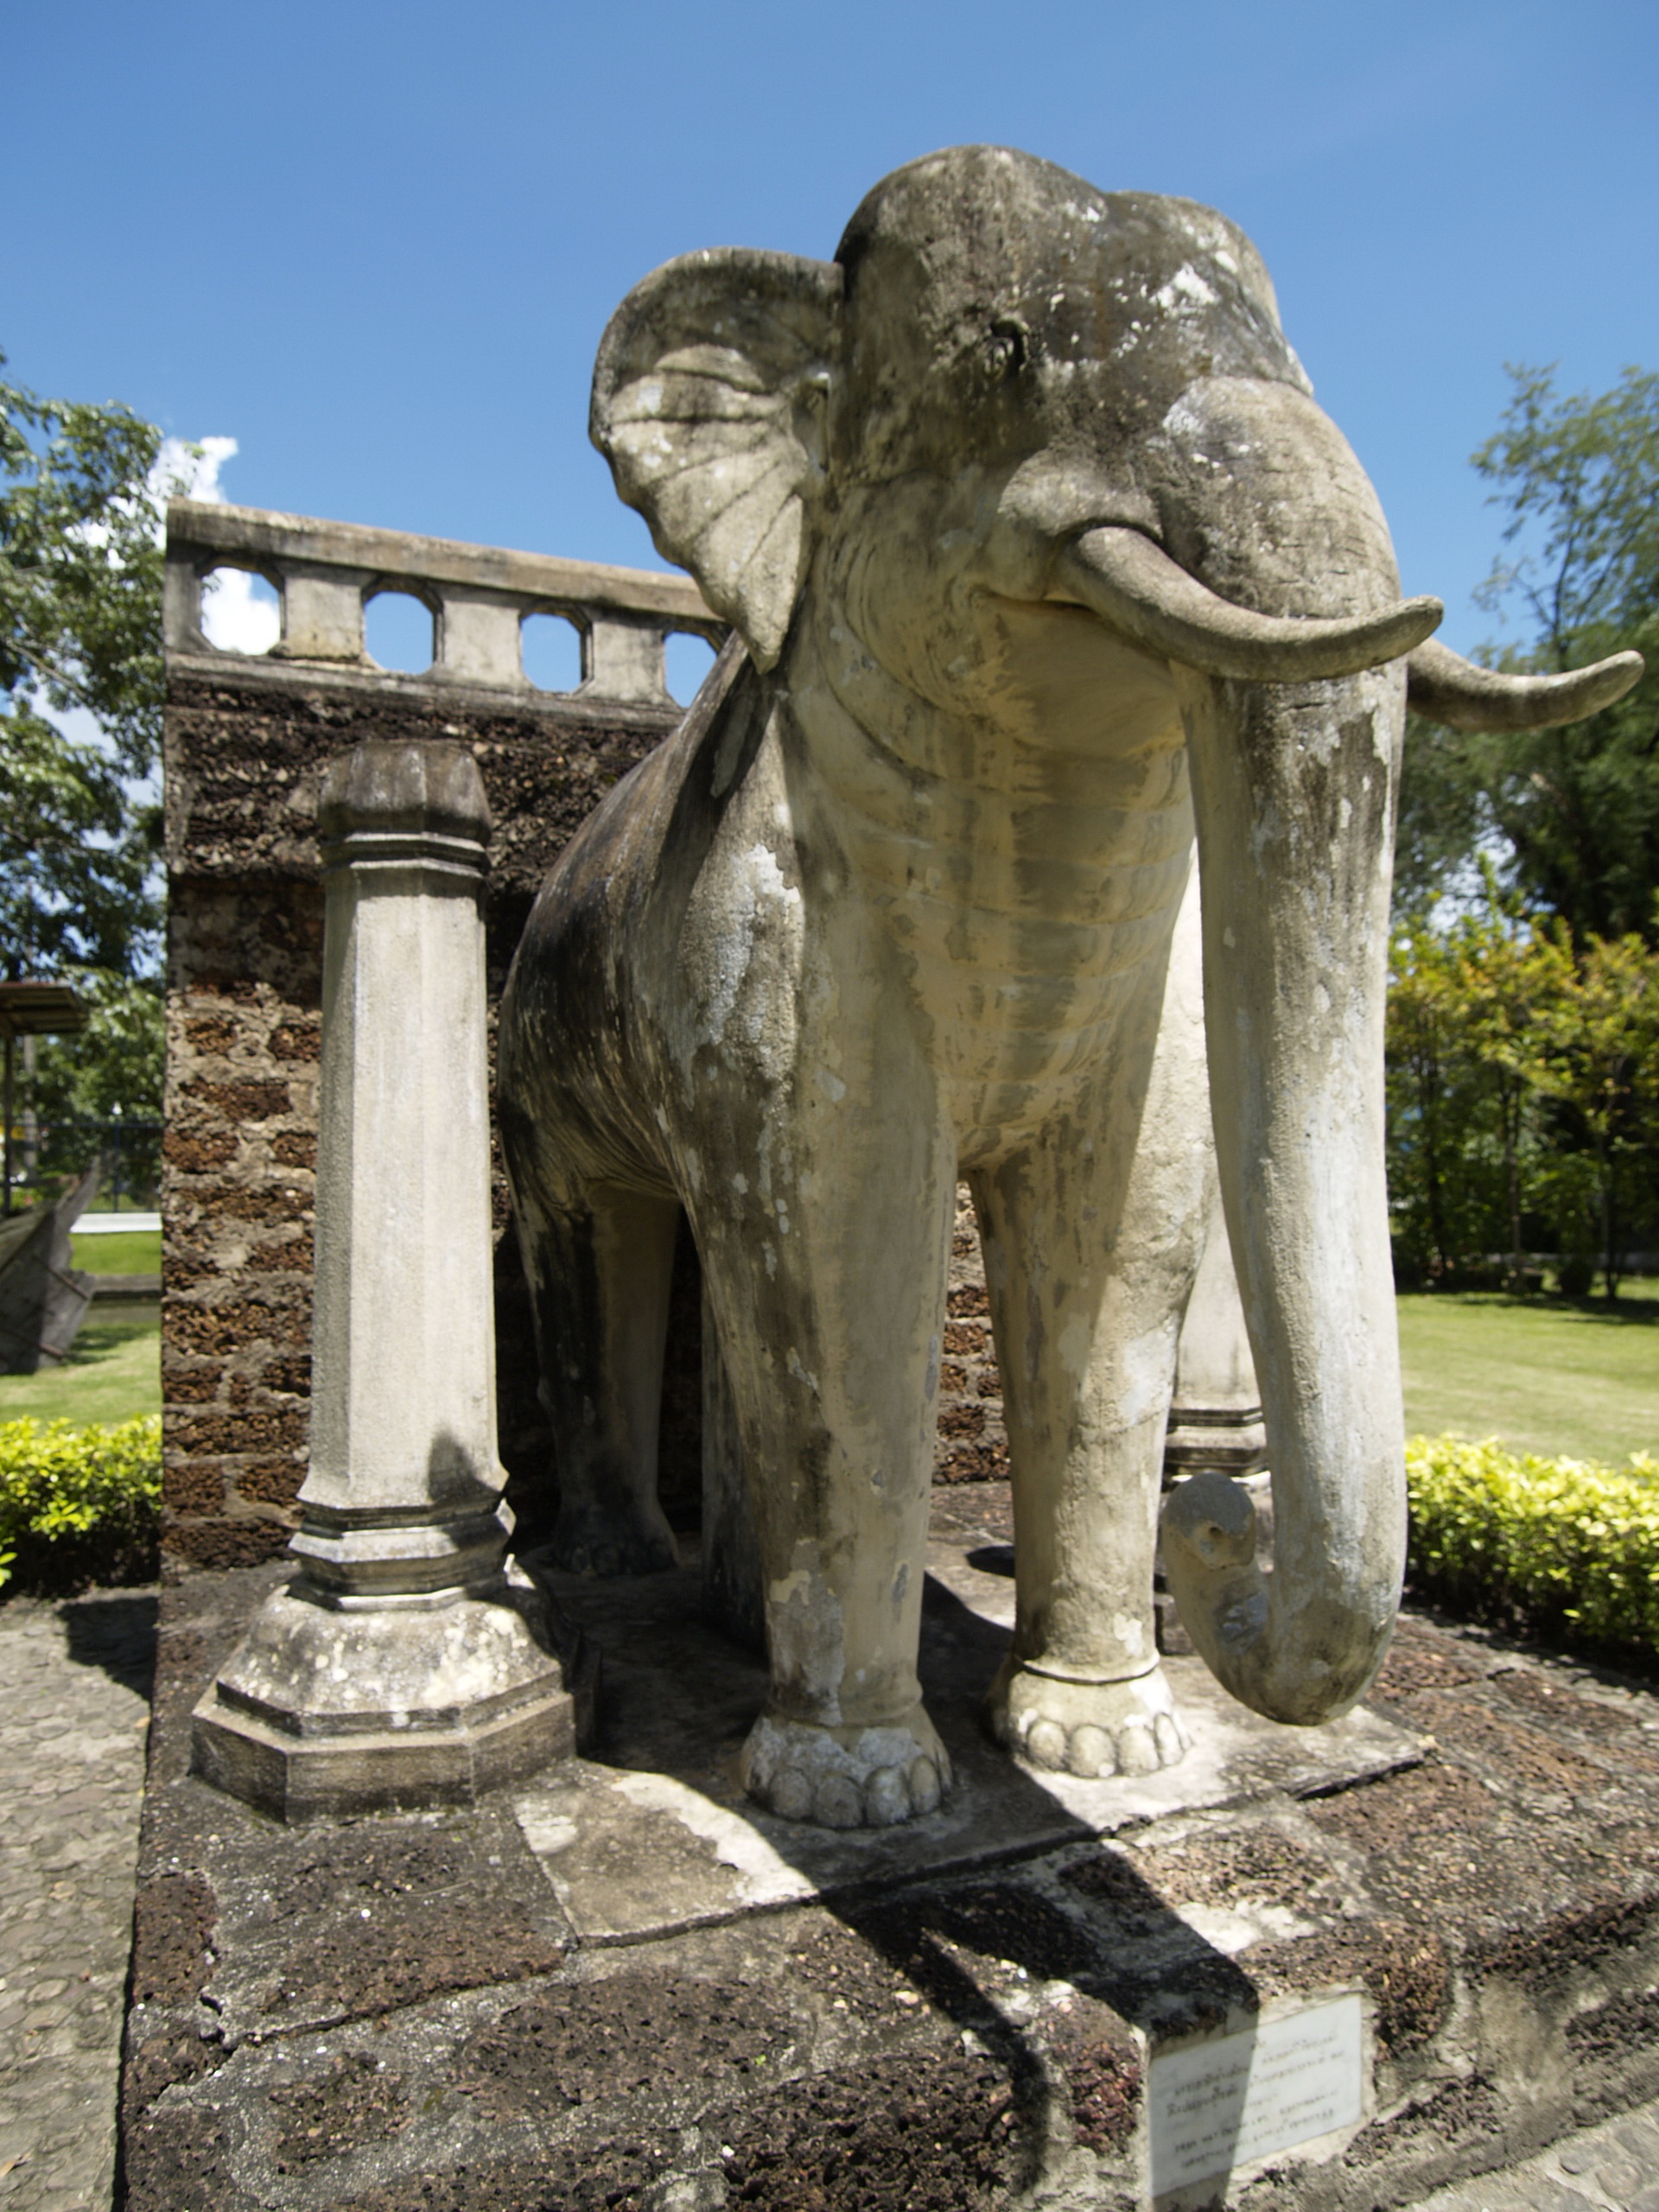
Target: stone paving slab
[
  {"x": 75, "y": 1680},
  {"x": 1612, "y": 2168},
  {"x": 658, "y": 1836}
]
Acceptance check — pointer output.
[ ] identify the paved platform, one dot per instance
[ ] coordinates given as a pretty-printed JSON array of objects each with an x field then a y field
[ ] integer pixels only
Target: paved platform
[
  {"x": 74, "y": 1679},
  {"x": 75, "y": 1685},
  {"x": 623, "y": 1987},
  {"x": 1612, "y": 2168}
]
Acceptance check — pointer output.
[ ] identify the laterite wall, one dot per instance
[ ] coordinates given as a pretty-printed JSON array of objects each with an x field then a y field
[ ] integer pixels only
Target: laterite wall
[{"x": 244, "y": 978}]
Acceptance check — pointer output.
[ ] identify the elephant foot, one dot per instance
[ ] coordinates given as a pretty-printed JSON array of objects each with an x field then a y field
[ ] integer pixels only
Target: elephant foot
[
  {"x": 1089, "y": 1729},
  {"x": 588, "y": 1540},
  {"x": 846, "y": 1777}
]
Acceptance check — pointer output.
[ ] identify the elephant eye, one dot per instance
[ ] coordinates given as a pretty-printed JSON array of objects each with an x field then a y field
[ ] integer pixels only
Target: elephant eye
[{"x": 1010, "y": 342}]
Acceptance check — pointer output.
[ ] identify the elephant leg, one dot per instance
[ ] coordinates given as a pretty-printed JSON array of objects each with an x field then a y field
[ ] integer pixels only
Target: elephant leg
[
  {"x": 1092, "y": 1236},
  {"x": 600, "y": 1269},
  {"x": 827, "y": 1288},
  {"x": 1086, "y": 1329}
]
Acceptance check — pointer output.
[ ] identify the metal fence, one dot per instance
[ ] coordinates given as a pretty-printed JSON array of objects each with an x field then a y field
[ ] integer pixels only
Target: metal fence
[{"x": 42, "y": 1158}]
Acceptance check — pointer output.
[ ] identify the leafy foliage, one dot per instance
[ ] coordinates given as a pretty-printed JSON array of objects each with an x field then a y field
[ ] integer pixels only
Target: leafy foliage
[
  {"x": 1523, "y": 1076},
  {"x": 1439, "y": 1169},
  {"x": 1558, "y": 1547},
  {"x": 80, "y": 597},
  {"x": 114, "y": 1066},
  {"x": 83, "y": 1500},
  {"x": 1576, "y": 810},
  {"x": 80, "y": 565},
  {"x": 93, "y": 1093},
  {"x": 75, "y": 862},
  {"x": 1594, "y": 1051},
  {"x": 1578, "y": 476}
]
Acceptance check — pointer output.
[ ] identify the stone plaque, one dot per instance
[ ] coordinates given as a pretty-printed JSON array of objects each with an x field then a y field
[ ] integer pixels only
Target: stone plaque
[{"x": 1222, "y": 2104}]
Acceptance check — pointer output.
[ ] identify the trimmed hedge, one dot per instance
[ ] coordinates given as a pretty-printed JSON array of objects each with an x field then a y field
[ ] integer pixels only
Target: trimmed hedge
[
  {"x": 79, "y": 1504},
  {"x": 1559, "y": 1548}
]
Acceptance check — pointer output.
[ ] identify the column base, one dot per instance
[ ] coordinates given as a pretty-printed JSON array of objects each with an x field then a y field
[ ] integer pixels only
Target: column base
[
  {"x": 1237, "y": 1443},
  {"x": 325, "y": 1709}
]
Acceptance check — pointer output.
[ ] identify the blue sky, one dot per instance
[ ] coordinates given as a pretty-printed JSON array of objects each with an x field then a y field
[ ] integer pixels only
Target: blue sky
[{"x": 377, "y": 245}]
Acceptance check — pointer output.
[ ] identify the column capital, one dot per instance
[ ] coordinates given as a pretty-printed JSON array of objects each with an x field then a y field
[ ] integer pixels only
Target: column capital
[{"x": 425, "y": 788}]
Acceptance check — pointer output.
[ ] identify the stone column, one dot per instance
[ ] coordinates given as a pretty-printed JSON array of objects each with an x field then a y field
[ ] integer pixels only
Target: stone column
[
  {"x": 1216, "y": 1418},
  {"x": 407, "y": 1664}
]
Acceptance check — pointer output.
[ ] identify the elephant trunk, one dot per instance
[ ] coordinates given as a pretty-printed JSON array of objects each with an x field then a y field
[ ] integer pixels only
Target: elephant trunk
[{"x": 1293, "y": 793}]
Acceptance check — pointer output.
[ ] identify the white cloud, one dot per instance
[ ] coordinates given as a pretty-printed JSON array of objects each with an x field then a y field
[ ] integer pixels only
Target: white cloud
[
  {"x": 240, "y": 613},
  {"x": 189, "y": 469}
]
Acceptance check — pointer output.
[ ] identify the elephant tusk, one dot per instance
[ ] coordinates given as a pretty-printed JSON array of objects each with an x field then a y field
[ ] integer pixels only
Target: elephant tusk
[
  {"x": 1448, "y": 688},
  {"x": 1133, "y": 585}
]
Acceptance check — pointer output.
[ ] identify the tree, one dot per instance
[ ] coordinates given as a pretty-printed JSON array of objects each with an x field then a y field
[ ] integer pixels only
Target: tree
[
  {"x": 1438, "y": 1178},
  {"x": 80, "y": 566},
  {"x": 80, "y": 705},
  {"x": 1573, "y": 812},
  {"x": 109, "y": 1072},
  {"x": 1522, "y": 1077},
  {"x": 80, "y": 589},
  {"x": 1595, "y": 1050},
  {"x": 1498, "y": 984}
]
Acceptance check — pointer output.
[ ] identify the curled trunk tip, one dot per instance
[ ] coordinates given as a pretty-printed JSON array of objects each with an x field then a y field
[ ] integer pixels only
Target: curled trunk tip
[{"x": 1302, "y": 1672}]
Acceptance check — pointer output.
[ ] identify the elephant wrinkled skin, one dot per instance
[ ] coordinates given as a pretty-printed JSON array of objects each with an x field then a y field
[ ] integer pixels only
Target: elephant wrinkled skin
[{"x": 1040, "y": 558}]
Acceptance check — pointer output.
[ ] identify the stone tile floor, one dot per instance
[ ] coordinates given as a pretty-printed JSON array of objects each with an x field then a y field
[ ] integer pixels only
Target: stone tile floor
[
  {"x": 74, "y": 1713},
  {"x": 74, "y": 1688},
  {"x": 1612, "y": 2168}
]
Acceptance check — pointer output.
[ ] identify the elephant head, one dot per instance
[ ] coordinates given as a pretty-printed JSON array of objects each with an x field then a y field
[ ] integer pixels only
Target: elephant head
[{"x": 1020, "y": 433}]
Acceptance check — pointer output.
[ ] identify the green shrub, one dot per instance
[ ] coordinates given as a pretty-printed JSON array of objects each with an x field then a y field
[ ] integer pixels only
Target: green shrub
[
  {"x": 79, "y": 1504},
  {"x": 1557, "y": 1547}
]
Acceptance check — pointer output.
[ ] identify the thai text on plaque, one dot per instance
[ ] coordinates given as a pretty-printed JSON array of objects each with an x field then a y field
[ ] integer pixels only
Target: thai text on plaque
[{"x": 1218, "y": 2105}]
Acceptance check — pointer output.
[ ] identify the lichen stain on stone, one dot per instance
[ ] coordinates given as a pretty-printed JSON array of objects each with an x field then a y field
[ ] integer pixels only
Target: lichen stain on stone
[{"x": 804, "y": 1624}]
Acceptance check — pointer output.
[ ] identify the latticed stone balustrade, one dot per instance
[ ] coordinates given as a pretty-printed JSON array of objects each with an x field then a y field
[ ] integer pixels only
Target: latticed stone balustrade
[{"x": 325, "y": 575}]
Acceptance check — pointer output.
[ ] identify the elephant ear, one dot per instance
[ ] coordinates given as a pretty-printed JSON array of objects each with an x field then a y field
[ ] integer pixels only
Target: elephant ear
[{"x": 708, "y": 403}]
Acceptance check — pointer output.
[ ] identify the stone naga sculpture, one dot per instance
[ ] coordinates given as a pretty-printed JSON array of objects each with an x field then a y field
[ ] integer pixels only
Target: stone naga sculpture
[{"x": 1039, "y": 553}]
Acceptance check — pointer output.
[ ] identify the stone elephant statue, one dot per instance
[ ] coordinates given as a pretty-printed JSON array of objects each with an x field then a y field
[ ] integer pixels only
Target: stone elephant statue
[{"x": 1041, "y": 559}]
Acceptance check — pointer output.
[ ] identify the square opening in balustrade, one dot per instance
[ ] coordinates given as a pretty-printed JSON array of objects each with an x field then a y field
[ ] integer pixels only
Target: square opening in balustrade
[
  {"x": 400, "y": 633},
  {"x": 549, "y": 652},
  {"x": 241, "y": 610},
  {"x": 686, "y": 661}
]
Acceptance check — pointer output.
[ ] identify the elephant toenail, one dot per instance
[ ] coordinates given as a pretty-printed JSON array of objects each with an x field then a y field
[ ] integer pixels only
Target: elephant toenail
[
  {"x": 1045, "y": 1745},
  {"x": 924, "y": 1781},
  {"x": 1169, "y": 1737},
  {"x": 791, "y": 1795},
  {"x": 886, "y": 1800},
  {"x": 1090, "y": 1753},
  {"x": 1137, "y": 1752},
  {"x": 838, "y": 1802}
]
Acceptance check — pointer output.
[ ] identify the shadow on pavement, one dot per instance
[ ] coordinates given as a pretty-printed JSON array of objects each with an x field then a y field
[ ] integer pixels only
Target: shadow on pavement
[{"x": 116, "y": 1631}]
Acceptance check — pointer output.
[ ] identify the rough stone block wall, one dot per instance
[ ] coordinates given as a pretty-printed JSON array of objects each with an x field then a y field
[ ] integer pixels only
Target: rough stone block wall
[
  {"x": 244, "y": 763},
  {"x": 244, "y": 1026},
  {"x": 973, "y": 1444}
]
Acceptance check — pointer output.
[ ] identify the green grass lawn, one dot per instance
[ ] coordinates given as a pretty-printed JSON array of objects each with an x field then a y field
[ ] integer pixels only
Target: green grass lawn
[
  {"x": 113, "y": 1371},
  {"x": 1578, "y": 1380},
  {"x": 122, "y": 1252}
]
